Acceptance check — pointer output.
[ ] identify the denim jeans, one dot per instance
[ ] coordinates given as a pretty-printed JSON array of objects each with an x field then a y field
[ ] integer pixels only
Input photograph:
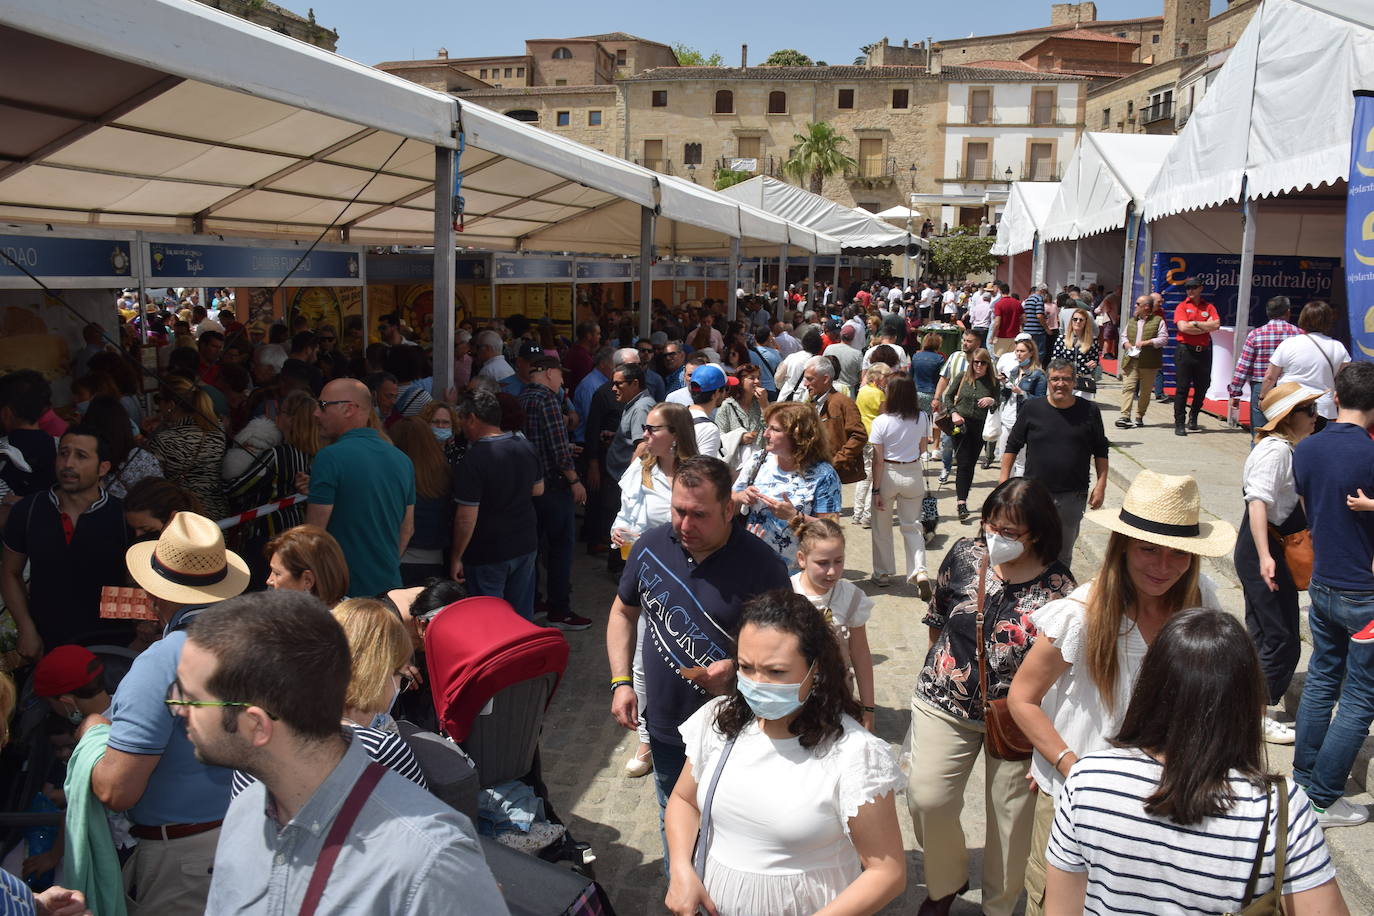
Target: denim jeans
[
  {"x": 1338, "y": 670},
  {"x": 669, "y": 759},
  {"x": 554, "y": 512},
  {"x": 512, "y": 580},
  {"x": 1257, "y": 417}
]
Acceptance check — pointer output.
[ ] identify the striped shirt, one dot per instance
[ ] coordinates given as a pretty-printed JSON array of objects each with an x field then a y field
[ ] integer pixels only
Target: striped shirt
[
  {"x": 1139, "y": 864},
  {"x": 387, "y": 748}
]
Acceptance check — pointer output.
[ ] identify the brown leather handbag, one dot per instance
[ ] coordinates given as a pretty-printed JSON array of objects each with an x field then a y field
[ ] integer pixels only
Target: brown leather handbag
[
  {"x": 1297, "y": 554},
  {"x": 1002, "y": 737}
]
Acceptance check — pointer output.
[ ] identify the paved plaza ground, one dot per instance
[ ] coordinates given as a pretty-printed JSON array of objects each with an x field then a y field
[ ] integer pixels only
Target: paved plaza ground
[{"x": 585, "y": 751}]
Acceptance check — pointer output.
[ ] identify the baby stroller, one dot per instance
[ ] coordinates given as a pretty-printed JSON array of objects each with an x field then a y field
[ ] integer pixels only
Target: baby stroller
[{"x": 492, "y": 674}]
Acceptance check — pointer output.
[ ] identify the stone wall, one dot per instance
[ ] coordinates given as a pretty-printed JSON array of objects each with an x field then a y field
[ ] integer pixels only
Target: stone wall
[
  {"x": 1072, "y": 13},
  {"x": 578, "y": 102},
  {"x": 1224, "y": 28},
  {"x": 1133, "y": 91},
  {"x": 280, "y": 20}
]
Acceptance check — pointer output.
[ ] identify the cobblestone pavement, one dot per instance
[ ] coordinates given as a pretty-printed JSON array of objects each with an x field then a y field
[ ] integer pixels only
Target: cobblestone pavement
[{"x": 584, "y": 751}]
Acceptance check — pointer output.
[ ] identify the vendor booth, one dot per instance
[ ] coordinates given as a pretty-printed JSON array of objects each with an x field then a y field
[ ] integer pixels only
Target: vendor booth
[{"x": 1029, "y": 204}]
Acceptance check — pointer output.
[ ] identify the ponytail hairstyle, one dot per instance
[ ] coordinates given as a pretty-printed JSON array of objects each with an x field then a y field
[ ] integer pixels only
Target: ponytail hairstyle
[{"x": 810, "y": 532}]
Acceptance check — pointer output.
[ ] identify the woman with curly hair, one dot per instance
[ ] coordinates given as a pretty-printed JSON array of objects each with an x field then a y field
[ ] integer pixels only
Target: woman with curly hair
[
  {"x": 790, "y": 477},
  {"x": 1016, "y": 555},
  {"x": 787, "y": 738},
  {"x": 189, "y": 442}
]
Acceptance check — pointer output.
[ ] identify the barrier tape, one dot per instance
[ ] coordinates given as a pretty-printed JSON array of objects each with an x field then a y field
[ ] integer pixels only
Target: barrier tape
[{"x": 262, "y": 511}]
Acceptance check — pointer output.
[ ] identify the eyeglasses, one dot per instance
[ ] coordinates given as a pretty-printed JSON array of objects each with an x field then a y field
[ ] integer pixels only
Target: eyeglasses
[
  {"x": 175, "y": 700},
  {"x": 979, "y": 362},
  {"x": 652, "y": 428},
  {"x": 325, "y": 405},
  {"x": 1014, "y": 534}
]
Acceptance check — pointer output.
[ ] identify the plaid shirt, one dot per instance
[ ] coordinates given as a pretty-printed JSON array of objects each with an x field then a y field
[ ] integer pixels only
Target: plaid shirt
[
  {"x": 1254, "y": 356},
  {"x": 546, "y": 429}
]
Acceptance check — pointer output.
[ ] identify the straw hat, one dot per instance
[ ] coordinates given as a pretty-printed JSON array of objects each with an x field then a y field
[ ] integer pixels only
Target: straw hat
[
  {"x": 188, "y": 563},
  {"x": 1282, "y": 399},
  {"x": 1166, "y": 510}
]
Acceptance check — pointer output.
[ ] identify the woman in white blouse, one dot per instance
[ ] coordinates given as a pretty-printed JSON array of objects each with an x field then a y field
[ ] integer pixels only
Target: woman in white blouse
[
  {"x": 1271, "y": 507},
  {"x": 899, "y": 436},
  {"x": 1311, "y": 358},
  {"x": 1070, "y": 694},
  {"x": 646, "y": 492},
  {"x": 800, "y": 796}
]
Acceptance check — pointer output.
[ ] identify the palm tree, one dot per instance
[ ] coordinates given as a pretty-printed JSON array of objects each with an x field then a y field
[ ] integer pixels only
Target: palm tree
[{"x": 816, "y": 156}]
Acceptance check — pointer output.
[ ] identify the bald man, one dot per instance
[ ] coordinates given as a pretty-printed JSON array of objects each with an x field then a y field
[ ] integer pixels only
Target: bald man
[{"x": 362, "y": 490}]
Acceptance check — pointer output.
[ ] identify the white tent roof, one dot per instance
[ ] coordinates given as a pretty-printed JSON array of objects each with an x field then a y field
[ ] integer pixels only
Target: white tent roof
[
  {"x": 173, "y": 116},
  {"x": 899, "y": 213},
  {"x": 1107, "y": 172},
  {"x": 1298, "y": 60},
  {"x": 1028, "y": 206},
  {"x": 854, "y": 228}
]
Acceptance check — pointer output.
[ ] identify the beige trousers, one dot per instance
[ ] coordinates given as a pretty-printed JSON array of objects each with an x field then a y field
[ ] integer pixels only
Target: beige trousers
[
  {"x": 170, "y": 877},
  {"x": 943, "y": 753},
  {"x": 1035, "y": 867},
  {"x": 1137, "y": 386}
]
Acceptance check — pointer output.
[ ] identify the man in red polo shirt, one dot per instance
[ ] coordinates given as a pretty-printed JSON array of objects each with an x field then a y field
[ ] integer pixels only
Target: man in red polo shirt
[{"x": 1196, "y": 319}]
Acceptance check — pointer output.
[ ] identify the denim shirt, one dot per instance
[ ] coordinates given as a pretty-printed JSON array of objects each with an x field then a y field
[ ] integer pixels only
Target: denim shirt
[{"x": 407, "y": 852}]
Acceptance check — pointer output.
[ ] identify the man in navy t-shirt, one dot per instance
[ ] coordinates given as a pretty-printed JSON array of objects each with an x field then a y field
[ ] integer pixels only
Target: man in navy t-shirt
[
  {"x": 690, "y": 579},
  {"x": 1335, "y": 463}
]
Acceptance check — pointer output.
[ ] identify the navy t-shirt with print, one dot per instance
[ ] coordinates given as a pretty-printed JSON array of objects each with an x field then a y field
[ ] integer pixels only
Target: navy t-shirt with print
[{"x": 691, "y": 614}]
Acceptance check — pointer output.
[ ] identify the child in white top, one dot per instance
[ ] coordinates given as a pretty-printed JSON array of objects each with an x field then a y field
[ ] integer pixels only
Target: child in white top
[{"x": 820, "y": 556}]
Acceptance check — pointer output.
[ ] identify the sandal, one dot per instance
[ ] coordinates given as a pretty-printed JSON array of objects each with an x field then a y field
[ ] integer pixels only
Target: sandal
[{"x": 641, "y": 764}]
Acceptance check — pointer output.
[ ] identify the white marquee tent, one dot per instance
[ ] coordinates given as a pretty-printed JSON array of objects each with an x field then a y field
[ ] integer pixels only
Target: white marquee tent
[
  {"x": 1029, "y": 204},
  {"x": 856, "y": 229}
]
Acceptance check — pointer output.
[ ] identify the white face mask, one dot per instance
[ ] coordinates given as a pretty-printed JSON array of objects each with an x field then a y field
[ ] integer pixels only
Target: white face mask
[{"x": 1002, "y": 549}]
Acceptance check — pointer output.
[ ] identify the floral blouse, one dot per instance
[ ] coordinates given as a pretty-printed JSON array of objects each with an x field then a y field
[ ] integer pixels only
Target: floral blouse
[
  {"x": 1079, "y": 358},
  {"x": 949, "y": 679}
]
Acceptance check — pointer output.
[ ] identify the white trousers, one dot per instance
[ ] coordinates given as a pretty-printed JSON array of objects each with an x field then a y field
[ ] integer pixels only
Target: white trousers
[{"x": 901, "y": 489}]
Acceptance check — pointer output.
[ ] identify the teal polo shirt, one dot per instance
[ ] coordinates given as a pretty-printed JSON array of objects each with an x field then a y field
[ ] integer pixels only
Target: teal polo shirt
[{"x": 369, "y": 482}]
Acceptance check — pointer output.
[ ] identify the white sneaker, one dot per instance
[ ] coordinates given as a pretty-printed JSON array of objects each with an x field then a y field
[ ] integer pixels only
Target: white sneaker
[
  {"x": 1341, "y": 813},
  {"x": 944, "y": 477},
  {"x": 1276, "y": 732}
]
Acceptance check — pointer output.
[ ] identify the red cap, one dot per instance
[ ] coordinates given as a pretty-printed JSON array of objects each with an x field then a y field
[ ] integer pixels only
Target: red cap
[{"x": 65, "y": 669}]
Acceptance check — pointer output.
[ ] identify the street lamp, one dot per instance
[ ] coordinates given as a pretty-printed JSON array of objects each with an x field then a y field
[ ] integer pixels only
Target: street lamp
[
  {"x": 1008, "y": 173},
  {"x": 911, "y": 170}
]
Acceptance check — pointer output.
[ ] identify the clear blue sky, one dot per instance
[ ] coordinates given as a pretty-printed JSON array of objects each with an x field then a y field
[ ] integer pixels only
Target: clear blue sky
[{"x": 370, "y": 32}]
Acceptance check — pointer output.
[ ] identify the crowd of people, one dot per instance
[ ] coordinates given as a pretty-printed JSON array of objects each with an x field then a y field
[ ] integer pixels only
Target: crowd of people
[{"x": 707, "y": 463}]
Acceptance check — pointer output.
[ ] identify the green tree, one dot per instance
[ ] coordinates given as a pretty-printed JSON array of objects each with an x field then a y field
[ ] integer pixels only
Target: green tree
[
  {"x": 788, "y": 57},
  {"x": 862, "y": 57},
  {"x": 727, "y": 177},
  {"x": 962, "y": 253},
  {"x": 816, "y": 156},
  {"x": 687, "y": 56}
]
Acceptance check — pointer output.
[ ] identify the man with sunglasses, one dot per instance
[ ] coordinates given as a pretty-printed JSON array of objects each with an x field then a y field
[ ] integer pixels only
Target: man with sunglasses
[
  {"x": 362, "y": 490},
  {"x": 175, "y": 799}
]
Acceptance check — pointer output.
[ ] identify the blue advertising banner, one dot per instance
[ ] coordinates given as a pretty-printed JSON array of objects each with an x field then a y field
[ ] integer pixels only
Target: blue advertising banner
[
  {"x": 419, "y": 268},
  {"x": 1300, "y": 279},
  {"x": 1359, "y": 228},
  {"x": 533, "y": 269},
  {"x": 193, "y": 261},
  {"x": 54, "y": 256},
  {"x": 605, "y": 270},
  {"x": 1140, "y": 272}
]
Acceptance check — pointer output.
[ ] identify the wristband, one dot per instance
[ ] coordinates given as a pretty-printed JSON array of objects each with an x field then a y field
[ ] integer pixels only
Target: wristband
[
  {"x": 621, "y": 682},
  {"x": 869, "y": 709},
  {"x": 1062, "y": 754}
]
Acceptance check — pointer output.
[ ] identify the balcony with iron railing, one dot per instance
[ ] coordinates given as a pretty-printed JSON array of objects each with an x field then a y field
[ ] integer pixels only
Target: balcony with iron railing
[
  {"x": 872, "y": 169},
  {"x": 1181, "y": 117},
  {"x": 762, "y": 165},
  {"x": 663, "y": 166},
  {"x": 977, "y": 170},
  {"x": 1031, "y": 171},
  {"x": 1160, "y": 111}
]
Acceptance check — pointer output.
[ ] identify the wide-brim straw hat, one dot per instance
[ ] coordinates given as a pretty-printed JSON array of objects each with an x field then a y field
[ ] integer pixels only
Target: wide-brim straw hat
[
  {"x": 1282, "y": 399},
  {"x": 188, "y": 563},
  {"x": 1167, "y": 510}
]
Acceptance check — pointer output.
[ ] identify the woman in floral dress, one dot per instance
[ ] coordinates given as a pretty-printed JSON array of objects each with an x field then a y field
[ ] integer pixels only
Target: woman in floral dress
[{"x": 1017, "y": 555}]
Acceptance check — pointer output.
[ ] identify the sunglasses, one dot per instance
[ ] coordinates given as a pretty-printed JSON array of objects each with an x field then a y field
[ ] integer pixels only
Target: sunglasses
[
  {"x": 325, "y": 405},
  {"x": 1308, "y": 409},
  {"x": 651, "y": 428},
  {"x": 980, "y": 362}
]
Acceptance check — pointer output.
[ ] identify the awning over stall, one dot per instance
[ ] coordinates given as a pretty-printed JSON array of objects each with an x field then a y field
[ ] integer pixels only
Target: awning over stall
[
  {"x": 1028, "y": 207},
  {"x": 1107, "y": 172},
  {"x": 857, "y": 230},
  {"x": 1279, "y": 110}
]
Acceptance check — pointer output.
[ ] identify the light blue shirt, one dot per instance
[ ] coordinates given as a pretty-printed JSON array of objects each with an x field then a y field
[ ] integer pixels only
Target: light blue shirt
[
  {"x": 181, "y": 789},
  {"x": 407, "y": 852},
  {"x": 582, "y": 401}
]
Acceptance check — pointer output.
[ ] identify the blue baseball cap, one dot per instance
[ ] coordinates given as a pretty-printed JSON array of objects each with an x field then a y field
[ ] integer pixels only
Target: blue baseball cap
[{"x": 710, "y": 377}]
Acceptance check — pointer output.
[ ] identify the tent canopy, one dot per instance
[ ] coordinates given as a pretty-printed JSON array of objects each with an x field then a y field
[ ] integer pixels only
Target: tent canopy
[
  {"x": 1107, "y": 172},
  {"x": 856, "y": 229},
  {"x": 1279, "y": 110},
  {"x": 172, "y": 116},
  {"x": 1028, "y": 206}
]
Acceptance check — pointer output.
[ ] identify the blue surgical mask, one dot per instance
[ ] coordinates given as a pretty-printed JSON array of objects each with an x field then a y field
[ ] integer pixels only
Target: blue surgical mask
[
  {"x": 442, "y": 433},
  {"x": 1024, "y": 363},
  {"x": 771, "y": 701}
]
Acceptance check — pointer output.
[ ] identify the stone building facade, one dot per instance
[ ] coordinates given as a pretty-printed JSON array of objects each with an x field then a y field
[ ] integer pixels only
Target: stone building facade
[{"x": 280, "y": 19}]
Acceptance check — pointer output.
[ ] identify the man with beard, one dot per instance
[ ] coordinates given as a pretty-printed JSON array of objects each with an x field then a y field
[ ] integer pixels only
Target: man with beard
[
  {"x": 73, "y": 537},
  {"x": 175, "y": 801},
  {"x": 260, "y": 687}
]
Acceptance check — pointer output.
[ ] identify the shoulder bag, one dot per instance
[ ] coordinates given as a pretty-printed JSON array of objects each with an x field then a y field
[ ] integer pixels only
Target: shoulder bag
[
  {"x": 1002, "y": 738},
  {"x": 945, "y": 419},
  {"x": 704, "y": 831},
  {"x": 1270, "y": 903},
  {"x": 338, "y": 833},
  {"x": 1296, "y": 544}
]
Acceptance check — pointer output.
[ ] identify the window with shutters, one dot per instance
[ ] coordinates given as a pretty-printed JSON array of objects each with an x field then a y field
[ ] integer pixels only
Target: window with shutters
[
  {"x": 777, "y": 102},
  {"x": 725, "y": 101}
]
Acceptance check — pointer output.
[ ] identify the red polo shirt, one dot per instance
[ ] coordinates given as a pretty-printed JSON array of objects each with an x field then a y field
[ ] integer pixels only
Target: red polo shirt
[{"x": 1189, "y": 311}]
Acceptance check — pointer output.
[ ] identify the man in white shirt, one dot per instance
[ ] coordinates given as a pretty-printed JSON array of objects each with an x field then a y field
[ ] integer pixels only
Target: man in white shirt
[
  {"x": 926, "y": 297},
  {"x": 782, "y": 336},
  {"x": 894, "y": 295},
  {"x": 788, "y": 378},
  {"x": 855, "y": 323},
  {"x": 683, "y": 395},
  {"x": 202, "y": 322},
  {"x": 489, "y": 354},
  {"x": 980, "y": 315}
]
